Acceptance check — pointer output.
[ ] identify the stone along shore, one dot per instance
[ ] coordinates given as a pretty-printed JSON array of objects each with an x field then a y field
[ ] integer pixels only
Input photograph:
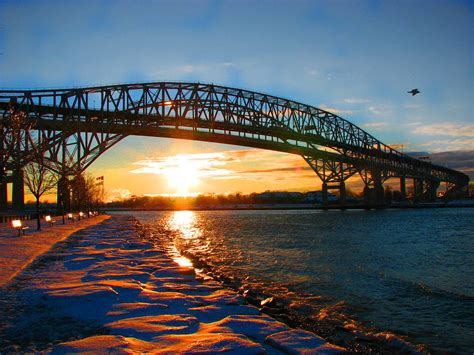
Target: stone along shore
[{"x": 105, "y": 289}]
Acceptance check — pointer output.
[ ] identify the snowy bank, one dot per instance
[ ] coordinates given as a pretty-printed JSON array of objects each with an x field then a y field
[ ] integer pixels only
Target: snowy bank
[
  {"x": 106, "y": 289},
  {"x": 16, "y": 253}
]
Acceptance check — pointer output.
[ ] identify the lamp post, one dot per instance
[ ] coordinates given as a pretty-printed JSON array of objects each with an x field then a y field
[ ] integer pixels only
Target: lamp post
[{"x": 61, "y": 206}]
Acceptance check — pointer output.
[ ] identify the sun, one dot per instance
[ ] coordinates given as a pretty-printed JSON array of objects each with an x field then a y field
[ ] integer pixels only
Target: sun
[{"x": 182, "y": 174}]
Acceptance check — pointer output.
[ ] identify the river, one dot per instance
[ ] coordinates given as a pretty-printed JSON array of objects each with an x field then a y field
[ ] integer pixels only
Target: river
[{"x": 409, "y": 272}]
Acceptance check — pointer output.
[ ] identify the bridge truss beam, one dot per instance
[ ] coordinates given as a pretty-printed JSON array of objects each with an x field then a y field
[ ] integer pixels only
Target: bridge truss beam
[{"x": 78, "y": 125}]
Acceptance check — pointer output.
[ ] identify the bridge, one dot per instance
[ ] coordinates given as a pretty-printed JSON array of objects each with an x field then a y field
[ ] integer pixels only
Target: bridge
[{"x": 74, "y": 126}]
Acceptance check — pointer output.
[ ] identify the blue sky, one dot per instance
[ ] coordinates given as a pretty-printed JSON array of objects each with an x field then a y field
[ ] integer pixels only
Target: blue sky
[{"x": 355, "y": 58}]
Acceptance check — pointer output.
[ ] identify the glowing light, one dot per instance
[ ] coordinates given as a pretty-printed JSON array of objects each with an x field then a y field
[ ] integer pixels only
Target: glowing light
[
  {"x": 168, "y": 103},
  {"x": 185, "y": 223},
  {"x": 183, "y": 261},
  {"x": 182, "y": 174}
]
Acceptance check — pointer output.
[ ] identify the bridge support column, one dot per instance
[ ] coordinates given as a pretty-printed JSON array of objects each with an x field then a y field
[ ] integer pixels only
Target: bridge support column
[
  {"x": 341, "y": 187},
  {"x": 374, "y": 195},
  {"x": 455, "y": 191},
  {"x": 342, "y": 193},
  {"x": 64, "y": 195},
  {"x": 3, "y": 196},
  {"x": 333, "y": 175},
  {"x": 18, "y": 191},
  {"x": 417, "y": 190},
  {"x": 379, "y": 191},
  {"x": 432, "y": 190},
  {"x": 403, "y": 189},
  {"x": 324, "y": 194},
  {"x": 78, "y": 188}
]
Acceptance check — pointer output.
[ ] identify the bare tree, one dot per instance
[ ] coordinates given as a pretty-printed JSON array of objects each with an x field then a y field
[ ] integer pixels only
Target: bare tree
[
  {"x": 87, "y": 193},
  {"x": 39, "y": 180}
]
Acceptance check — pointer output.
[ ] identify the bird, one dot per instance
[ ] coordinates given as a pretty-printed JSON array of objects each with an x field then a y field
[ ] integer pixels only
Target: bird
[{"x": 414, "y": 92}]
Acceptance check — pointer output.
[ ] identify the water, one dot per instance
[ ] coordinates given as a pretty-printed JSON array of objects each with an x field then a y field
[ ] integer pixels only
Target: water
[{"x": 409, "y": 272}]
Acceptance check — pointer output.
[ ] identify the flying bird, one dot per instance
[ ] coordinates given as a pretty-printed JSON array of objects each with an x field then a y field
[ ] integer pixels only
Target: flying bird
[{"x": 414, "y": 92}]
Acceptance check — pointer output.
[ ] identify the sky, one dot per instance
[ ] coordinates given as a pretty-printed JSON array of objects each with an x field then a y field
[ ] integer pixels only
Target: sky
[{"x": 356, "y": 59}]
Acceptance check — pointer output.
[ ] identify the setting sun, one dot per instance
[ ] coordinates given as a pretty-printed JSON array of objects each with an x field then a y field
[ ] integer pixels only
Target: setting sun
[
  {"x": 182, "y": 174},
  {"x": 185, "y": 173}
]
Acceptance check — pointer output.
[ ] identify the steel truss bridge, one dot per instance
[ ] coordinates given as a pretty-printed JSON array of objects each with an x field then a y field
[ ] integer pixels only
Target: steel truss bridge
[{"x": 75, "y": 126}]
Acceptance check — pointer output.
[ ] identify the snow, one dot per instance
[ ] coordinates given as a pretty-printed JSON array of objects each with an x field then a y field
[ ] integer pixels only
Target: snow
[
  {"x": 16, "y": 253},
  {"x": 106, "y": 276}
]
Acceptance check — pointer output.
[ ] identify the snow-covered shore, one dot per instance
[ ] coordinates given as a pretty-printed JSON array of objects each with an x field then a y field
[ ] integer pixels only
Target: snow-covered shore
[
  {"x": 107, "y": 289},
  {"x": 16, "y": 253}
]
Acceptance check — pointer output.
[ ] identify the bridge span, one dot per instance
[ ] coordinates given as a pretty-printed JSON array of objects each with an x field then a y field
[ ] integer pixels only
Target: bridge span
[{"x": 75, "y": 126}]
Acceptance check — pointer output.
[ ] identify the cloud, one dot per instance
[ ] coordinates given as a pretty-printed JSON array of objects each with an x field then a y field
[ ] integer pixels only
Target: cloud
[
  {"x": 336, "y": 111},
  {"x": 201, "y": 165},
  {"x": 215, "y": 71},
  {"x": 375, "y": 110},
  {"x": 356, "y": 101},
  {"x": 278, "y": 170},
  {"x": 401, "y": 147},
  {"x": 225, "y": 165},
  {"x": 445, "y": 129},
  {"x": 374, "y": 125},
  {"x": 217, "y": 165},
  {"x": 462, "y": 160},
  {"x": 119, "y": 194},
  {"x": 455, "y": 159},
  {"x": 440, "y": 145}
]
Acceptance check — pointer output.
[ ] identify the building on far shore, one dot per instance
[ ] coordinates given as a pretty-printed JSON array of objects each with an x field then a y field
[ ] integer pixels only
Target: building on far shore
[{"x": 317, "y": 197}]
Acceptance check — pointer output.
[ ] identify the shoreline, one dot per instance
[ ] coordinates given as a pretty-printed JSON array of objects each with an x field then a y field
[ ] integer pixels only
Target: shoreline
[
  {"x": 288, "y": 307},
  {"x": 118, "y": 291},
  {"x": 265, "y": 207}
]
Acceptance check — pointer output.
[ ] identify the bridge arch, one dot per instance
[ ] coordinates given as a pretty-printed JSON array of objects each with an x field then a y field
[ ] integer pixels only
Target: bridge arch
[{"x": 77, "y": 125}]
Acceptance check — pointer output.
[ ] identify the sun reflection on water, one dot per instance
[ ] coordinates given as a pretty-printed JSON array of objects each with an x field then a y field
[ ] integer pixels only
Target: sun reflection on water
[{"x": 185, "y": 223}]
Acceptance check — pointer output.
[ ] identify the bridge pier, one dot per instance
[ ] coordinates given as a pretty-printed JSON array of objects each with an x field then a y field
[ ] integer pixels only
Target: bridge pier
[
  {"x": 454, "y": 191},
  {"x": 18, "y": 191},
  {"x": 432, "y": 192},
  {"x": 333, "y": 175},
  {"x": 341, "y": 187},
  {"x": 403, "y": 189},
  {"x": 3, "y": 196},
  {"x": 417, "y": 189},
  {"x": 342, "y": 193},
  {"x": 78, "y": 188},
  {"x": 374, "y": 195},
  {"x": 64, "y": 195},
  {"x": 425, "y": 190},
  {"x": 432, "y": 188}
]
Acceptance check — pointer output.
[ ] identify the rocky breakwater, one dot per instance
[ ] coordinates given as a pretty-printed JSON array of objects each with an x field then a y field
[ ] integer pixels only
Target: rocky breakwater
[{"x": 107, "y": 289}]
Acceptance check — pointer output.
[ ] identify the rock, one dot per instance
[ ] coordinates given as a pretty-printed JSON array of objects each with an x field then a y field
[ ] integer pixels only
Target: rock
[
  {"x": 269, "y": 302},
  {"x": 254, "y": 327},
  {"x": 295, "y": 341}
]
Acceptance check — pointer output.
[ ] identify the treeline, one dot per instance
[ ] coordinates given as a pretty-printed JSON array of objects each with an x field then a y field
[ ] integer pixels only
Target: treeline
[{"x": 209, "y": 200}]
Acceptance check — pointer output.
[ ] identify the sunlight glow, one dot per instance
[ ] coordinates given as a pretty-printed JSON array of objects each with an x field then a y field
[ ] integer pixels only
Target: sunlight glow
[
  {"x": 183, "y": 175},
  {"x": 185, "y": 171},
  {"x": 185, "y": 222}
]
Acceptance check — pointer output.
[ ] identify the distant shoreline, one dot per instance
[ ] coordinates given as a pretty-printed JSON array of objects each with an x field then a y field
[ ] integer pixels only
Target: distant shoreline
[{"x": 256, "y": 207}]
